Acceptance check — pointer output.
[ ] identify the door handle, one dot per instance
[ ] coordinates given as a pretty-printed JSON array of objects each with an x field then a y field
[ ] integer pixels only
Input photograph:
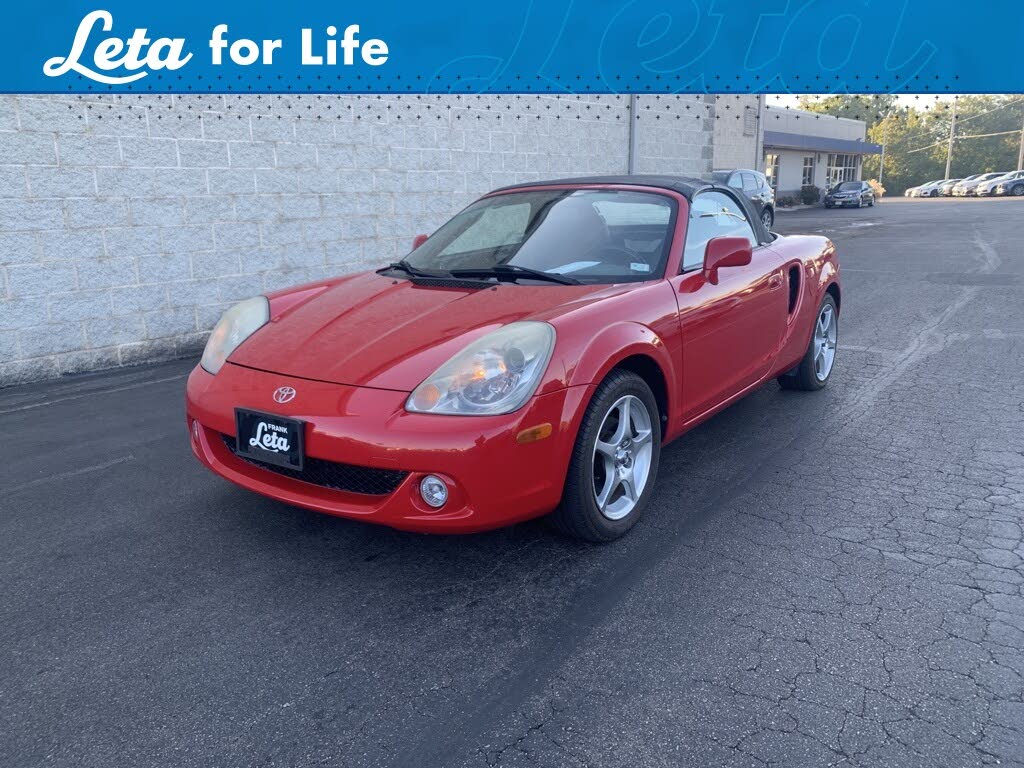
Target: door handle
[{"x": 775, "y": 281}]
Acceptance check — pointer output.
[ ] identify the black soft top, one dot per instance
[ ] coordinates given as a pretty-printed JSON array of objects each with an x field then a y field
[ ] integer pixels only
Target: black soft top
[{"x": 685, "y": 185}]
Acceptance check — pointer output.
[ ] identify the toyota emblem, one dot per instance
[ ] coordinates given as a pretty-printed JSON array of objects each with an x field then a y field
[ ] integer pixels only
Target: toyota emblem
[{"x": 284, "y": 395}]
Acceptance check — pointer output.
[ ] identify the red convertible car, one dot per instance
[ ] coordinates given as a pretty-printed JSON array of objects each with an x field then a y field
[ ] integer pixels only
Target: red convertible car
[{"x": 531, "y": 357}]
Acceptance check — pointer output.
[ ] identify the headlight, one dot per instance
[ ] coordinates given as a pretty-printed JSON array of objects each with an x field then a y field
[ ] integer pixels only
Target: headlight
[
  {"x": 495, "y": 374},
  {"x": 238, "y": 324}
]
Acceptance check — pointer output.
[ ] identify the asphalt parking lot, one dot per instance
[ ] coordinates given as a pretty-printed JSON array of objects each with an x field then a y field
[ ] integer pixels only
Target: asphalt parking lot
[{"x": 822, "y": 579}]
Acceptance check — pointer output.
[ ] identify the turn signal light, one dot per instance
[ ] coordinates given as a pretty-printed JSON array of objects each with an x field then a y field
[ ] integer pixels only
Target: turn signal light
[{"x": 533, "y": 434}]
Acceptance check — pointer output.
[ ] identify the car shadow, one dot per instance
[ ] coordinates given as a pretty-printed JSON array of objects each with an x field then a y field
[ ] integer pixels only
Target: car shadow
[{"x": 722, "y": 452}]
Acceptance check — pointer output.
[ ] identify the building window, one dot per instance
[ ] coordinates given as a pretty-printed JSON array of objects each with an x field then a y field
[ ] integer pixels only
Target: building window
[
  {"x": 841, "y": 168},
  {"x": 808, "y": 178},
  {"x": 749, "y": 121},
  {"x": 771, "y": 170}
]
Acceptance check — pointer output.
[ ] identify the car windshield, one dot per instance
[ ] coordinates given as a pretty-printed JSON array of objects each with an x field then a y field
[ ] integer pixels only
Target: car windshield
[
  {"x": 848, "y": 186},
  {"x": 588, "y": 235},
  {"x": 989, "y": 176}
]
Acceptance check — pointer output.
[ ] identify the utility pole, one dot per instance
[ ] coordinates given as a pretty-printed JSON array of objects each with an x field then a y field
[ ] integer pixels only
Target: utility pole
[
  {"x": 1020, "y": 156},
  {"x": 881, "y": 165},
  {"x": 634, "y": 138},
  {"x": 952, "y": 135}
]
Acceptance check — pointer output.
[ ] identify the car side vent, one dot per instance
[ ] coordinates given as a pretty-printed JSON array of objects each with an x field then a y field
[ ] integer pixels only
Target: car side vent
[{"x": 794, "y": 287}]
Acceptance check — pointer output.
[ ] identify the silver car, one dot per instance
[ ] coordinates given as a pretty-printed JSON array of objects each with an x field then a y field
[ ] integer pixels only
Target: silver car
[
  {"x": 1010, "y": 184},
  {"x": 928, "y": 189},
  {"x": 969, "y": 186}
]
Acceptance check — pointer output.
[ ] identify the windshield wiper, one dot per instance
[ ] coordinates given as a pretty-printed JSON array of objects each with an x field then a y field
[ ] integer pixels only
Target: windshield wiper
[
  {"x": 404, "y": 266},
  {"x": 513, "y": 271}
]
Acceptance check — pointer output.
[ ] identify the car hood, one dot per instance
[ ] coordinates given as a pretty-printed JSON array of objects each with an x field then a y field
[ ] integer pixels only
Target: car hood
[{"x": 387, "y": 333}]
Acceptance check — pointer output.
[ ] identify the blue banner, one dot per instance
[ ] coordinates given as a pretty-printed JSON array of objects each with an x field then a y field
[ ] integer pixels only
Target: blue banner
[{"x": 556, "y": 46}]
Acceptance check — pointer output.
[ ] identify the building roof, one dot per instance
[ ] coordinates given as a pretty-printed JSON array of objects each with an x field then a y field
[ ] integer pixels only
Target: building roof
[
  {"x": 812, "y": 115},
  {"x": 783, "y": 140}
]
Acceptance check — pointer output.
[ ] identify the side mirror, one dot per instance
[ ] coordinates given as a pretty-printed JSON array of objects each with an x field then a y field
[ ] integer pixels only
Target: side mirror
[
  {"x": 418, "y": 241},
  {"x": 725, "y": 252}
]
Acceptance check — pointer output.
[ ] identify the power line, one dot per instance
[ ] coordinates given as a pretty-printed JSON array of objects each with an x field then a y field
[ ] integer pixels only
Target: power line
[
  {"x": 988, "y": 111},
  {"x": 958, "y": 138},
  {"x": 963, "y": 120}
]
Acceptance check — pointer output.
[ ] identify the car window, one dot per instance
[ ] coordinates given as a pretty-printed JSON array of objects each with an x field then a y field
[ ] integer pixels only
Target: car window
[
  {"x": 592, "y": 235},
  {"x": 496, "y": 227},
  {"x": 735, "y": 181},
  {"x": 623, "y": 213},
  {"x": 749, "y": 182},
  {"x": 713, "y": 214}
]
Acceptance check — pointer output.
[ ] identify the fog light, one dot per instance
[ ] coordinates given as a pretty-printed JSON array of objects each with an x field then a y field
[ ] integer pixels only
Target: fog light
[{"x": 434, "y": 491}]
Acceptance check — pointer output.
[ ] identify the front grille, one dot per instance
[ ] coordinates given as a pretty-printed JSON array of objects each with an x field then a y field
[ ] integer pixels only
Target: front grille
[{"x": 331, "y": 474}]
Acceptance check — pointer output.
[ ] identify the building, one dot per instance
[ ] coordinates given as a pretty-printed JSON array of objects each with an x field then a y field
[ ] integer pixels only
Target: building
[
  {"x": 737, "y": 131},
  {"x": 811, "y": 149},
  {"x": 128, "y": 223}
]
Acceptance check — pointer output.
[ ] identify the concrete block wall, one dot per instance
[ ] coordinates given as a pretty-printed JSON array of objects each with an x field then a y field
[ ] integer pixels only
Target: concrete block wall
[
  {"x": 737, "y": 131},
  {"x": 129, "y": 223}
]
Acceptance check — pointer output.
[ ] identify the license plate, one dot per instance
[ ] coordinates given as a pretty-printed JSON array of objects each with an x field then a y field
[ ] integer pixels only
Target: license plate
[{"x": 268, "y": 438}]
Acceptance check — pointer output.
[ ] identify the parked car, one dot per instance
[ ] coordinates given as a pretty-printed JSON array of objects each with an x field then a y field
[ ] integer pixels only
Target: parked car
[
  {"x": 1011, "y": 183},
  {"x": 853, "y": 194},
  {"x": 946, "y": 187},
  {"x": 928, "y": 189},
  {"x": 530, "y": 357},
  {"x": 969, "y": 186},
  {"x": 975, "y": 177},
  {"x": 754, "y": 185},
  {"x": 987, "y": 187}
]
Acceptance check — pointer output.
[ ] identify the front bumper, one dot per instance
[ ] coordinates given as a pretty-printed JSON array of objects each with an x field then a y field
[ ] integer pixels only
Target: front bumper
[
  {"x": 841, "y": 202},
  {"x": 492, "y": 479}
]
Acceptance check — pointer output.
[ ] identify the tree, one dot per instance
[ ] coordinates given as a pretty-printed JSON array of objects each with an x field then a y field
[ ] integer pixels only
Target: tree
[
  {"x": 869, "y": 108},
  {"x": 978, "y": 115},
  {"x": 901, "y": 132}
]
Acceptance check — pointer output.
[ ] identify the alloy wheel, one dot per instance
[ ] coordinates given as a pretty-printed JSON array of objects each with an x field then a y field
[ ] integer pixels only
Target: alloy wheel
[
  {"x": 622, "y": 457},
  {"x": 826, "y": 335}
]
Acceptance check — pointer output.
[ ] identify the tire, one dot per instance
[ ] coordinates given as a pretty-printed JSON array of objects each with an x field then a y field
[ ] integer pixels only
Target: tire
[
  {"x": 1018, "y": 189},
  {"x": 768, "y": 218},
  {"x": 806, "y": 376},
  {"x": 579, "y": 514},
  {"x": 860, "y": 202},
  {"x": 871, "y": 203}
]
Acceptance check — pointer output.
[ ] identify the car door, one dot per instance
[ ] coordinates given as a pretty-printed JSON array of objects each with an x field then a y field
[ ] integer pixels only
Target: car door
[
  {"x": 752, "y": 190},
  {"x": 731, "y": 331}
]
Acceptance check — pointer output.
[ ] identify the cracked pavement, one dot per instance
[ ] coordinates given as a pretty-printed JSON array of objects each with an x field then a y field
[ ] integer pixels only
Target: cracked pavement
[{"x": 821, "y": 579}]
